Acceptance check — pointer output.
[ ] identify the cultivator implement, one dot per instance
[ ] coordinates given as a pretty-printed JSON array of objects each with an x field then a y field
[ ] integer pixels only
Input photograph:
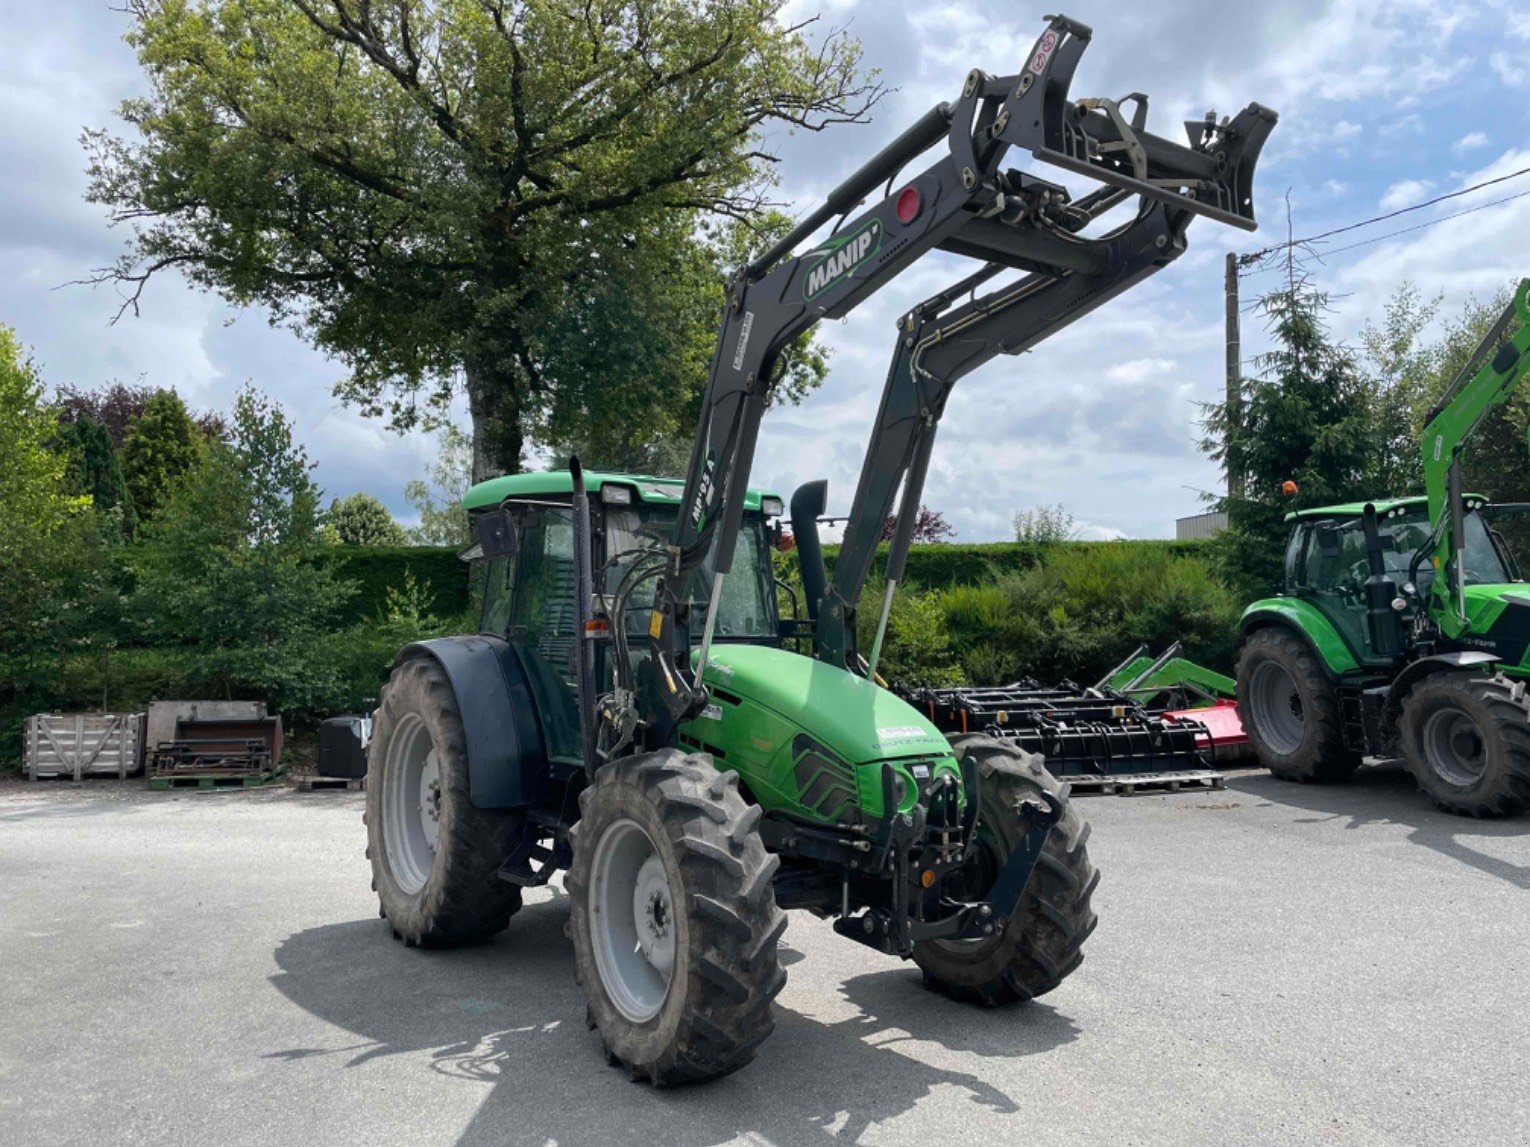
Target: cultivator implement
[{"x": 1119, "y": 731}]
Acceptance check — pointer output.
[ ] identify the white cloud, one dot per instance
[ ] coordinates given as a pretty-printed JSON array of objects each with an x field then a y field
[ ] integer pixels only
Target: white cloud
[
  {"x": 1335, "y": 186},
  {"x": 1509, "y": 69},
  {"x": 1471, "y": 141},
  {"x": 1404, "y": 194},
  {"x": 1345, "y": 129}
]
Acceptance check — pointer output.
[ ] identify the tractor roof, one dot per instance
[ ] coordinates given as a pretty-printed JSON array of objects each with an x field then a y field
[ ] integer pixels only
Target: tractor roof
[
  {"x": 1356, "y": 509},
  {"x": 556, "y": 483}
]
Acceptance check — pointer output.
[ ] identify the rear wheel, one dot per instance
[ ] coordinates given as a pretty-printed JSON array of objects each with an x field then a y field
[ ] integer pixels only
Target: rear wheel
[
  {"x": 435, "y": 857},
  {"x": 1043, "y": 942},
  {"x": 1290, "y": 709},
  {"x": 674, "y": 918},
  {"x": 1467, "y": 743}
]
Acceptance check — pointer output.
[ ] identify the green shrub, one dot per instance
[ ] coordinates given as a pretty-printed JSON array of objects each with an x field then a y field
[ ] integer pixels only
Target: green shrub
[
  {"x": 1085, "y": 608},
  {"x": 917, "y": 648}
]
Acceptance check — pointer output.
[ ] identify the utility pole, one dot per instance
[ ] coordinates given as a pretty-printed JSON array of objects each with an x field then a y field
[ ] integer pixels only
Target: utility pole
[{"x": 1234, "y": 400}]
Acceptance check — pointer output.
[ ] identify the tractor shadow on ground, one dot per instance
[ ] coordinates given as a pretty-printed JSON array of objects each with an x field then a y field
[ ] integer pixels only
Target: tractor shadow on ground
[
  {"x": 1385, "y": 793},
  {"x": 509, "y": 1015}
]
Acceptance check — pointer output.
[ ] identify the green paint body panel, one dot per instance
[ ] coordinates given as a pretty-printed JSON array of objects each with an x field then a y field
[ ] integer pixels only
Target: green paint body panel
[
  {"x": 559, "y": 483},
  {"x": 1175, "y": 671},
  {"x": 810, "y": 739},
  {"x": 1305, "y": 618}
]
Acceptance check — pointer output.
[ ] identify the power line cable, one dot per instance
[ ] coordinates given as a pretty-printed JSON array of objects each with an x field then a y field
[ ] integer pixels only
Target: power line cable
[
  {"x": 1249, "y": 258},
  {"x": 1323, "y": 255}
]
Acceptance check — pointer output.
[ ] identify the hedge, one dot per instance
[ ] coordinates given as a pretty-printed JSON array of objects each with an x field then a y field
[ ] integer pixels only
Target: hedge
[
  {"x": 946, "y": 565},
  {"x": 441, "y": 577},
  {"x": 377, "y": 569}
]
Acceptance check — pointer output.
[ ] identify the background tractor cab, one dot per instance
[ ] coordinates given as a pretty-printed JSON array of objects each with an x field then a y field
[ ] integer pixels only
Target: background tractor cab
[{"x": 1329, "y": 562}]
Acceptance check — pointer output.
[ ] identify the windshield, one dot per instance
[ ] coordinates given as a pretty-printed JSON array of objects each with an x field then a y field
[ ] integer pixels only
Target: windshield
[
  {"x": 1342, "y": 563},
  {"x": 744, "y": 609}
]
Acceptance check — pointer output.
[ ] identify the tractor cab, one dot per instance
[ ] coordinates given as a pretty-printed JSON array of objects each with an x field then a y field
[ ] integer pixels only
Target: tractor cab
[
  {"x": 1328, "y": 563},
  {"x": 528, "y": 588}
]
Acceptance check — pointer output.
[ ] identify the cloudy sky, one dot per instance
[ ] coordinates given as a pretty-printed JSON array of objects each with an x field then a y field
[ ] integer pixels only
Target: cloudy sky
[{"x": 1382, "y": 105}]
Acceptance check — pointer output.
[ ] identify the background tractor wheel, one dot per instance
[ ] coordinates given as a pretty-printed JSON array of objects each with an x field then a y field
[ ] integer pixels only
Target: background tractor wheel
[
  {"x": 674, "y": 918},
  {"x": 1467, "y": 743},
  {"x": 435, "y": 858},
  {"x": 1291, "y": 710},
  {"x": 1044, "y": 939}
]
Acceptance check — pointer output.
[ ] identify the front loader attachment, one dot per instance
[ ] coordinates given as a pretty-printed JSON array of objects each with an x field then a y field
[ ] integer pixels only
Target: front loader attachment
[{"x": 1212, "y": 176}]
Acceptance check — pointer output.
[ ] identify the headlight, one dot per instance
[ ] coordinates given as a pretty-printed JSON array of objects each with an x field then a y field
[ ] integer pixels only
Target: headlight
[
  {"x": 772, "y": 507},
  {"x": 614, "y": 495}
]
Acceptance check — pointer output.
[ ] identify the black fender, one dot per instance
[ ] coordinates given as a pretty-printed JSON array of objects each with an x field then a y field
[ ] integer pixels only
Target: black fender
[
  {"x": 1416, "y": 671},
  {"x": 507, "y": 755}
]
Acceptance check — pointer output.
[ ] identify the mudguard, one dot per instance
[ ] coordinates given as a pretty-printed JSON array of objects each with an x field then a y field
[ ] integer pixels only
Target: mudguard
[
  {"x": 507, "y": 756},
  {"x": 1416, "y": 671},
  {"x": 1306, "y": 621}
]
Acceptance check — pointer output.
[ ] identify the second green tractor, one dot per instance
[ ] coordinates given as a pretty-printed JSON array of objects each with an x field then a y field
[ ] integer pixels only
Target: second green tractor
[{"x": 1403, "y": 628}]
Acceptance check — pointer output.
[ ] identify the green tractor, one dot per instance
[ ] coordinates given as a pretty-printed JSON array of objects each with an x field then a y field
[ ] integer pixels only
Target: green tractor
[
  {"x": 1404, "y": 625},
  {"x": 632, "y": 711}
]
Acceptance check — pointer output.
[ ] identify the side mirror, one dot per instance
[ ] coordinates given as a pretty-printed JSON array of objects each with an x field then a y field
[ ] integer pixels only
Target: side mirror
[
  {"x": 1328, "y": 542},
  {"x": 496, "y": 533}
]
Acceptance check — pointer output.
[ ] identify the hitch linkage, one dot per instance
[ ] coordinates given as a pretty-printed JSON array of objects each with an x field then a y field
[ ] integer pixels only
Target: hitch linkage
[{"x": 895, "y": 930}]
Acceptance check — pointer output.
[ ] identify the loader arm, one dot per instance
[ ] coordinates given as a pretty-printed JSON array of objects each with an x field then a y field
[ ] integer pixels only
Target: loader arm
[
  {"x": 965, "y": 202},
  {"x": 939, "y": 342},
  {"x": 1482, "y": 385}
]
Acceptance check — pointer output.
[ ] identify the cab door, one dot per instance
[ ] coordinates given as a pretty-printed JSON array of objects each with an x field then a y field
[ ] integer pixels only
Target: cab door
[{"x": 1332, "y": 577}]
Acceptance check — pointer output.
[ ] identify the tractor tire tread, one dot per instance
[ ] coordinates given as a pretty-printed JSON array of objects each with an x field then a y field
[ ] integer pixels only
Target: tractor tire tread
[
  {"x": 732, "y": 973},
  {"x": 1042, "y": 943},
  {"x": 463, "y": 901},
  {"x": 1322, "y": 757},
  {"x": 1504, "y": 789}
]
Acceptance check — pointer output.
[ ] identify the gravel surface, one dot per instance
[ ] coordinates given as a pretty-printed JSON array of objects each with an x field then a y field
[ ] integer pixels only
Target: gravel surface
[{"x": 1274, "y": 964}]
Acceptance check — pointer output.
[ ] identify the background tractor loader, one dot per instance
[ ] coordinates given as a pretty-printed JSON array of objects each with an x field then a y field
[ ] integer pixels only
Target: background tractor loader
[
  {"x": 630, "y": 711},
  {"x": 1404, "y": 625}
]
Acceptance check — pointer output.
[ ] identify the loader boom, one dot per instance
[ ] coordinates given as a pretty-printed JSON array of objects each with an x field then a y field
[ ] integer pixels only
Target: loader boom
[
  {"x": 965, "y": 202},
  {"x": 1482, "y": 385}
]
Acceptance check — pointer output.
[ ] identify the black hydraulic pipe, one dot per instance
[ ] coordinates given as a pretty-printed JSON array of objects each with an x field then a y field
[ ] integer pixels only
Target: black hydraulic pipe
[
  {"x": 808, "y": 503},
  {"x": 583, "y": 585},
  {"x": 923, "y": 134}
]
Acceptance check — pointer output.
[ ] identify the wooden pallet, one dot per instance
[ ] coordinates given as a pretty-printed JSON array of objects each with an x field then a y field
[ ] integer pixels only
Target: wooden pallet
[
  {"x": 312, "y": 782},
  {"x": 1201, "y": 780},
  {"x": 192, "y": 781}
]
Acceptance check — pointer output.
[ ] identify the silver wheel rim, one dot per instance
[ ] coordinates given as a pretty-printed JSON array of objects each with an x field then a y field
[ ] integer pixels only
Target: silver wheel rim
[
  {"x": 632, "y": 921},
  {"x": 411, "y": 804},
  {"x": 1275, "y": 704},
  {"x": 1453, "y": 746}
]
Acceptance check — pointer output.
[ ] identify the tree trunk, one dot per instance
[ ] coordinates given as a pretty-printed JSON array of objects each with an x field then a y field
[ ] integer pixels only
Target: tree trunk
[{"x": 494, "y": 404}]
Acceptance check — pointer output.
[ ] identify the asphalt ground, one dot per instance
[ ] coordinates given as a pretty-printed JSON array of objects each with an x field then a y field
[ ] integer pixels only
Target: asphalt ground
[{"x": 1274, "y": 964}]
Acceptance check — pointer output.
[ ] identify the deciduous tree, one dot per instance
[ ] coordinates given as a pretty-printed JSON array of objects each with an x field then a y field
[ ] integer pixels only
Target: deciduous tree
[
  {"x": 362, "y": 520},
  {"x": 508, "y": 195}
]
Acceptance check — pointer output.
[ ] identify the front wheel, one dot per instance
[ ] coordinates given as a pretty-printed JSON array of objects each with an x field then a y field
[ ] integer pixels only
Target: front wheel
[
  {"x": 435, "y": 857},
  {"x": 1043, "y": 942},
  {"x": 1467, "y": 742},
  {"x": 1290, "y": 709},
  {"x": 674, "y": 918}
]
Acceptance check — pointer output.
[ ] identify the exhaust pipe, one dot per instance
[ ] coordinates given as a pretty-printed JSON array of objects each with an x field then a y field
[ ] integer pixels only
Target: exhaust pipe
[{"x": 808, "y": 504}]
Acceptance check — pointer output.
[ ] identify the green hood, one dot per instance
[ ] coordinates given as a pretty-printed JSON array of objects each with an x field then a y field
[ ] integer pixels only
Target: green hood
[{"x": 855, "y": 718}]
